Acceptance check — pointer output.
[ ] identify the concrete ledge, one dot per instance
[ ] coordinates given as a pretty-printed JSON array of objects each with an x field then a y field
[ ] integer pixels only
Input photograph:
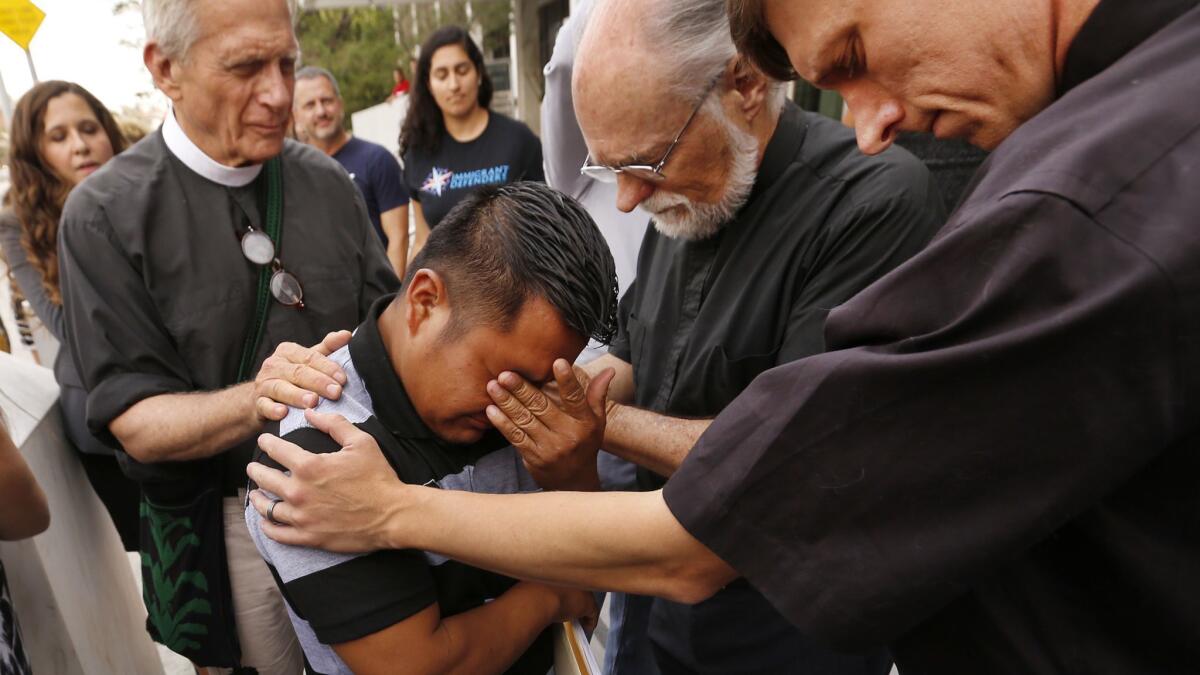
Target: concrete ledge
[{"x": 79, "y": 608}]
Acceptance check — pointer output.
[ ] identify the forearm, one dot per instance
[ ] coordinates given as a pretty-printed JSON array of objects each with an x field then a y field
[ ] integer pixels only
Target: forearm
[
  {"x": 656, "y": 442},
  {"x": 397, "y": 253},
  {"x": 395, "y": 226},
  {"x": 612, "y": 541},
  {"x": 621, "y": 390},
  {"x": 420, "y": 230},
  {"x": 489, "y": 638},
  {"x": 23, "y": 508},
  {"x": 184, "y": 427}
]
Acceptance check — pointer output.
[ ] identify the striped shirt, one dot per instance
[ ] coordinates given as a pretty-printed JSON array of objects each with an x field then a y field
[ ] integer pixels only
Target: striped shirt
[{"x": 334, "y": 598}]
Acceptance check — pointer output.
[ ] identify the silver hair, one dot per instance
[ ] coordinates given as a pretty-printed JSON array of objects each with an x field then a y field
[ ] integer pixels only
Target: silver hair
[
  {"x": 693, "y": 40},
  {"x": 174, "y": 26},
  {"x": 313, "y": 72}
]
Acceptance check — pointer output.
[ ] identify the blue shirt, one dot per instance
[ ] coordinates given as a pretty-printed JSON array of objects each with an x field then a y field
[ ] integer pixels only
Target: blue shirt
[{"x": 377, "y": 174}]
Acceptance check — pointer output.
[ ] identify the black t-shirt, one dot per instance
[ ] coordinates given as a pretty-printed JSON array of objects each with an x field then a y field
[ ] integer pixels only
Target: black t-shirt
[
  {"x": 704, "y": 318},
  {"x": 506, "y": 152},
  {"x": 993, "y": 469}
]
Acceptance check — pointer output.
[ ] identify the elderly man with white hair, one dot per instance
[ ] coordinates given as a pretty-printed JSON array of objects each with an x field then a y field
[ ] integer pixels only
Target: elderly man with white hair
[
  {"x": 765, "y": 217},
  {"x": 185, "y": 262}
]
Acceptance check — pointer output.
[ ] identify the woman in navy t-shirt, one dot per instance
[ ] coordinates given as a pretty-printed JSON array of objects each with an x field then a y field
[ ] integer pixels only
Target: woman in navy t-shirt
[{"x": 451, "y": 142}]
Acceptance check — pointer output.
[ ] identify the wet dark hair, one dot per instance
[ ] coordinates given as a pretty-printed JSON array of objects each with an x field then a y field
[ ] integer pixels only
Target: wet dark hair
[
  {"x": 748, "y": 27},
  {"x": 424, "y": 127},
  {"x": 503, "y": 245}
]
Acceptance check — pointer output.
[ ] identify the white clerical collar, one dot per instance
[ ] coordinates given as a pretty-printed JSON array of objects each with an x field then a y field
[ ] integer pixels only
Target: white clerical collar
[{"x": 194, "y": 158}]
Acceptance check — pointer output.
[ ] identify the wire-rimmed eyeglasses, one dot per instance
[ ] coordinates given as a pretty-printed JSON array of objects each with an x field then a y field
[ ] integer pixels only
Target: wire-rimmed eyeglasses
[
  {"x": 646, "y": 172},
  {"x": 260, "y": 250}
]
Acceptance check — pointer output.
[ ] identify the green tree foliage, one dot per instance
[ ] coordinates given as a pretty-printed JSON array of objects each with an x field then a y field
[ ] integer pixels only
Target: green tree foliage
[
  {"x": 357, "y": 46},
  {"x": 361, "y": 47}
]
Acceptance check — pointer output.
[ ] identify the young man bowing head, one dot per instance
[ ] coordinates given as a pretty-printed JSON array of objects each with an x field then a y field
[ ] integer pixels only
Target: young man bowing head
[{"x": 515, "y": 279}]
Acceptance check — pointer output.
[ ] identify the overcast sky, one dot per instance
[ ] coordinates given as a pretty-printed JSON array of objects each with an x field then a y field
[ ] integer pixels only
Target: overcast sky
[{"x": 82, "y": 41}]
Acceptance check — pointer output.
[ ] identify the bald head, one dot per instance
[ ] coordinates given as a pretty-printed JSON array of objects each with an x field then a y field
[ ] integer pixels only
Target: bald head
[
  {"x": 614, "y": 59},
  {"x": 654, "y": 47}
]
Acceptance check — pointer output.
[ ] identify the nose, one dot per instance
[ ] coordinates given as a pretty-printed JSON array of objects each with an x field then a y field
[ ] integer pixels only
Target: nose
[
  {"x": 631, "y": 192},
  {"x": 275, "y": 88},
  {"x": 78, "y": 145},
  {"x": 877, "y": 115}
]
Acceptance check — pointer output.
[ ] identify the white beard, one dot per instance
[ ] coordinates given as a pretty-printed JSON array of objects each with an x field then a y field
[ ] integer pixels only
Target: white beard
[{"x": 678, "y": 217}]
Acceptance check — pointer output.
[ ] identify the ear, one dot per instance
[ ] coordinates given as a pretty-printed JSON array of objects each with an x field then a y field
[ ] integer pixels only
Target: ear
[
  {"x": 751, "y": 85},
  {"x": 427, "y": 301},
  {"x": 163, "y": 69}
]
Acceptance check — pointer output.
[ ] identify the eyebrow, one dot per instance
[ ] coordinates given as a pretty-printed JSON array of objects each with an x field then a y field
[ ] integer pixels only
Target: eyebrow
[
  {"x": 258, "y": 53},
  {"x": 638, "y": 157},
  {"x": 823, "y": 63}
]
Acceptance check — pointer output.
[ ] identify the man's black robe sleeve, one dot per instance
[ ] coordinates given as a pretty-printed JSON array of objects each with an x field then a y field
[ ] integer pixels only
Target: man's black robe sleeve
[{"x": 977, "y": 399}]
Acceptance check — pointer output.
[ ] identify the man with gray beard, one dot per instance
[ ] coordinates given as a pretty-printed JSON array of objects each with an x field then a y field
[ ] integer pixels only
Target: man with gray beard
[{"x": 765, "y": 218}]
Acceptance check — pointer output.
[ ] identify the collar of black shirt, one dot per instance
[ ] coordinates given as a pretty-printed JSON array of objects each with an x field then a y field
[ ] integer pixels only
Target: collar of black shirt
[
  {"x": 388, "y": 397},
  {"x": 1113, "y": 30},
  {"x": 782, "y": 149}
]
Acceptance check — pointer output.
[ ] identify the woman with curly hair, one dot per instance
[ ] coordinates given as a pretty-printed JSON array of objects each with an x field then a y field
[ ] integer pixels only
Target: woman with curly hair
[{"x": 60, "y": 135}]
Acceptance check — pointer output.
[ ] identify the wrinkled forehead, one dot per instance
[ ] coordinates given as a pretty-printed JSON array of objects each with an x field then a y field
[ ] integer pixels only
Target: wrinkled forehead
[
  {"x": 628, "y": 110},
  {"x": 245, "y": 29}
]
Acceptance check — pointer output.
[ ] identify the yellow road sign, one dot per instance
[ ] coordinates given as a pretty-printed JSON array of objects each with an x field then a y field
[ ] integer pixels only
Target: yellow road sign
[{"x": 20, "y": 20}]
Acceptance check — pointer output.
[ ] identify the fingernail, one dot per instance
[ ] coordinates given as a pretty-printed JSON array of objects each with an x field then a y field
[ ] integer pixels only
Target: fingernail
[
  {"x": 281, "y": 411},
  {"x": 310, "y": 401},
  {"x": 333, "y": 391},
  {"x": 340, "y": 377}
]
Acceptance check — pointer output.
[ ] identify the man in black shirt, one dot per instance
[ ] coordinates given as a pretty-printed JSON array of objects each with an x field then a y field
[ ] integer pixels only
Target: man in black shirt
[
  {"x": 994, "y": 469},
  {"x": 484, "y": 297},
  {"x": 765, "y": 218}
]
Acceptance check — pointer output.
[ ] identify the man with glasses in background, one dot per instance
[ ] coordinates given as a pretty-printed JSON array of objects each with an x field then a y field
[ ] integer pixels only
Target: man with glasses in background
[
  {"x": 185, "y": 262},
  {"x": 765, "y": 218}
]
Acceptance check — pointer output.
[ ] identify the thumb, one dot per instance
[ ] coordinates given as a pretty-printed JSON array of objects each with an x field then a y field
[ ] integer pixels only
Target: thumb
[
  {"x": 334, "y": 425},
  {"x": 333, "y": 342},
  {"x": 597, "y": 392}
]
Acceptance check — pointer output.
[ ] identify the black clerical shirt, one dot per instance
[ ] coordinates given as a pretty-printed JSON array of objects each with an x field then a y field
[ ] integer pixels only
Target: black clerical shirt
[
  {"x": 159, "y": 298},
  {"x": 994, "y": 468},
  {"x": 704, "y": 318}
]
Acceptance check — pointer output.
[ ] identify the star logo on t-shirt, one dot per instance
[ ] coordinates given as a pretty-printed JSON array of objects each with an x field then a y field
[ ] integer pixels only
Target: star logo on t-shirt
[{"x": 438, "y": 181}]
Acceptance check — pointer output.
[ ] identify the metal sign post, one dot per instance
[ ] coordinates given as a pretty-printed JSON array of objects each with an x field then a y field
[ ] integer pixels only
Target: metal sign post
[{"x": 20, "y": 20}]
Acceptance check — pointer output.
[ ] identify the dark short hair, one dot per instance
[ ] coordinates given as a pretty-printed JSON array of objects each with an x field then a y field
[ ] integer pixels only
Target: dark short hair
[
  {"x": 748, "y": 26},
  {"x": 503, "y": 245}
]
